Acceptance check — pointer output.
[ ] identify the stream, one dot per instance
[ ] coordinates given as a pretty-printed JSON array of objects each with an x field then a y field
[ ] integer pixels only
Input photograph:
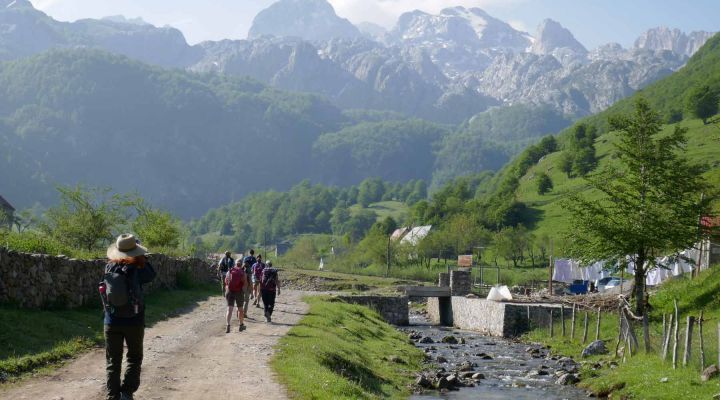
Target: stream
[{"x": 511, "y": 370}]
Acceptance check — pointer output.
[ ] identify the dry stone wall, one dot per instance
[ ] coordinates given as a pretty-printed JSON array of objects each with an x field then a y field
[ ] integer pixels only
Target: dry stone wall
[{"x": 40, "y": 281}]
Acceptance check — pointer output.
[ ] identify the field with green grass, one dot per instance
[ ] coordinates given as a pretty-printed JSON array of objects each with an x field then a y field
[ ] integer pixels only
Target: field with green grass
[
  {"x": 34, "y": 340},
  {"x": 640, "y": 377},
  {"x": 344, "y": 351},
  {"x": 703, "y": 147},
  {"x": 395, "y": 209}
]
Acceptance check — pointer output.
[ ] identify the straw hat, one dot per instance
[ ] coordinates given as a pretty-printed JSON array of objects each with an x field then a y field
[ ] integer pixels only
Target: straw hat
[{"x": 125, "y": 246}]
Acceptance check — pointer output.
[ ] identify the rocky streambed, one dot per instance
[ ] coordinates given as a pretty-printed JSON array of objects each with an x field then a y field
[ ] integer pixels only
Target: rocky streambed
[{"x": 467, "y": 365}]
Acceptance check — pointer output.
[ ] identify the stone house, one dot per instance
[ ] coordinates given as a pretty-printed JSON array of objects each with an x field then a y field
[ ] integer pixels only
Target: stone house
[{"x": 7, "y": 212}]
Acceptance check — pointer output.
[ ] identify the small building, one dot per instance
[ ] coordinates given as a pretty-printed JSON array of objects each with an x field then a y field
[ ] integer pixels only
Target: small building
[{"x": 7, "y": 212}]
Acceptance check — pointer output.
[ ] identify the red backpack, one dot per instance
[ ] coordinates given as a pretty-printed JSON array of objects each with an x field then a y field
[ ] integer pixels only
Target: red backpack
[{"x": 235, "y": 279}]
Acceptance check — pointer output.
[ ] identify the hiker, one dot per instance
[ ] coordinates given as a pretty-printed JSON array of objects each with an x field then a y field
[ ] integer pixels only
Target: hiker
[
  {"x": 257, "y": 271},
  {"x": 236, "y": 284},
  {"x": 122, "y": 297},
  {"x": 251, "y": 260},
  {"x": 224, "y": 266},
  {"x": 269, "y": 288}
]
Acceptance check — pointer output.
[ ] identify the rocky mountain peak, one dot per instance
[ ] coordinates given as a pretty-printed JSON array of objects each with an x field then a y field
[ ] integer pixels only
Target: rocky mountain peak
[
  {"x": 313, "y": 20},
  {"x": 664, "y": 38},
  {"x": 459, "y": 25},
  {"x": 552, "y": 36},
  {"x": 15, "y": 4}
]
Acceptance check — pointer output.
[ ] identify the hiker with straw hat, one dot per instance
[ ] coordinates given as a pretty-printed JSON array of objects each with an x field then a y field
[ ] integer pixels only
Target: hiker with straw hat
[{"x": 121, "y": 291}]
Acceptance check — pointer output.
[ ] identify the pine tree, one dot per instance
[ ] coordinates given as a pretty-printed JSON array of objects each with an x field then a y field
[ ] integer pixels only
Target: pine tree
[{"x": 649, "y": 200}]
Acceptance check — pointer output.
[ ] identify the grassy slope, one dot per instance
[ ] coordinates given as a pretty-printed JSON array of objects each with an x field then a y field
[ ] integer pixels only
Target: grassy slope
[
  {"x": 703, "y": 147},
  {"x": 343, "y": 351},
  {"x": 642, "y": 373},
  {"x": 35, "y": 339},
  {"x": 395, "y": 209}
]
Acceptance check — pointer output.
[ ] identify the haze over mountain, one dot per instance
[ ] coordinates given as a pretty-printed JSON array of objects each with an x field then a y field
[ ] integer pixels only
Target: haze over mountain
[
  {"x": 205, "y": 125},
  {"x": 445, "y": 67}
]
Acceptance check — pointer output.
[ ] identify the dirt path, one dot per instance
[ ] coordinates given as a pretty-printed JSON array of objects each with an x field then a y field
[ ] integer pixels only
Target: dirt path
[{"x": 188, "y": 357}]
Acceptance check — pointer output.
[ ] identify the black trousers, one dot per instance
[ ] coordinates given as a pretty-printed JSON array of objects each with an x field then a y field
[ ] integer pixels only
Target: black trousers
[
  {"x": 268, "y": 299},
  {"x": 115, "y": 337}
]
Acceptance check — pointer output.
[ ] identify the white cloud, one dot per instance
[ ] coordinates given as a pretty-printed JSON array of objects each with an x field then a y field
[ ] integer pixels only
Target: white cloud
[{"x": 386, "y": 12}]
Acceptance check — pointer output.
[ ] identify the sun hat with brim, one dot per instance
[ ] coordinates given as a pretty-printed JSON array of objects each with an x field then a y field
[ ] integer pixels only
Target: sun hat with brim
[{"x": 125, "y": 246}]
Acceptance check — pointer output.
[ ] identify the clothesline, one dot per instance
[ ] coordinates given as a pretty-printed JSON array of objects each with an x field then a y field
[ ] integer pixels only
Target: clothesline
[{"x": 568, "y": 270}]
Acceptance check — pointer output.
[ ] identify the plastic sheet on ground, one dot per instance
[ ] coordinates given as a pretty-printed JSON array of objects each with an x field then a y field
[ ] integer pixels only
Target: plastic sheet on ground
[{"x": 499, "y": 293}]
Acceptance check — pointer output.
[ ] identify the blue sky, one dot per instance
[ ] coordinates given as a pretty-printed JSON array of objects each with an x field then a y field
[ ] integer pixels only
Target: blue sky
[{"x": 593, "y": 22}]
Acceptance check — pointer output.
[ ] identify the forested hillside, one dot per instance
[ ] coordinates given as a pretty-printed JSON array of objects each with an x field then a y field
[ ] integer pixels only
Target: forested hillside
[{"x": 185, "y": 141}]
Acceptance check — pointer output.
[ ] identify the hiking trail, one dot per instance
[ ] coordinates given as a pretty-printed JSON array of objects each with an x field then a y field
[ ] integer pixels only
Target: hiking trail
[{"x": 186, "y": 357}]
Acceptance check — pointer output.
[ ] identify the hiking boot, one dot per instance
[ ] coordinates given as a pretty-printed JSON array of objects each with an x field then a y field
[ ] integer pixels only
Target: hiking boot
[
  {"x": 242, "y": 328},
  {"x": 126, "y": 396},
  {"x": 268, "y": 319},
  {"x": 227, "y": 329}
]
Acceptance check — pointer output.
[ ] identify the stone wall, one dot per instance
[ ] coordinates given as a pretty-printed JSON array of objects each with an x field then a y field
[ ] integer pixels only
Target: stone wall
[
  {"x": 38, "y": 280},
  {"x": 460, "y": 282},
  {"x": 443, "y": 279},
  {"x": 496, "y": 318},
  {"x": 394, "y": 309}
]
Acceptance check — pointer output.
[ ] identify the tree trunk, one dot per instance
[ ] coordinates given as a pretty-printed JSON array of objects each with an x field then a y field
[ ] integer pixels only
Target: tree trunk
[{"x": 640, "y": 286}]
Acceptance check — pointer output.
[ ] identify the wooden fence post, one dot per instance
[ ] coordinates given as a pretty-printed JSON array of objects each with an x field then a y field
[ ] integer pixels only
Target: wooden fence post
[
  {"x": 597, "y": 326},
  {"x": 585, "y": 328},
  {"x": 676, "y": 335},
  {"x": 551, "y": 322},
  {"x": 528, "y": 316},
  {"x": 620, "y": 332},
  {"x": 702, "y": 342},
  {"x": 572, "y": 321},
  {"x": 562, "y": 319},
  {"x": 666, "y": 338},
  {"x": 688, "y": 340},
  {"x": 664, "y": 331},
  {"x": 646, "y": 333}
]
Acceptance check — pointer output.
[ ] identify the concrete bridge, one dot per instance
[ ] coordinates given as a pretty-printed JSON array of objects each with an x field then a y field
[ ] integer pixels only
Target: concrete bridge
[
  {"x": 443, "y": 295},
  {"x": 448, "y": 305}
]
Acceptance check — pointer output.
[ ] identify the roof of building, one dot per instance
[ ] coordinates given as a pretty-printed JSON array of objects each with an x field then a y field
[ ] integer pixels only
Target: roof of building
[
  {"x": 5, "y": 204},
  {"x": 416, "y": 234}
]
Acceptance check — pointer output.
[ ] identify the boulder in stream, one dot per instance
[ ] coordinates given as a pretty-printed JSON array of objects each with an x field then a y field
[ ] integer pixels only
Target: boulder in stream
[
  {"x": 423, "y": 382},
  {"x": 426, "y": 339},
  {"x": 567, "y": 379},
  {"x": 450, "y": 339},
  {"x": 466, "y": 366}
]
